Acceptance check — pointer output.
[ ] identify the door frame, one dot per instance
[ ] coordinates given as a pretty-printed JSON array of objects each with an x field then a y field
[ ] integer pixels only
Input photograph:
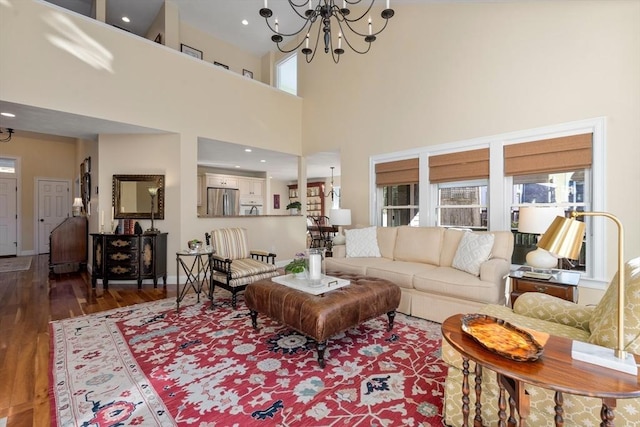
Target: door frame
[
  {"x": 36, "y": 207},
  {"x": 18, "y": 177}
]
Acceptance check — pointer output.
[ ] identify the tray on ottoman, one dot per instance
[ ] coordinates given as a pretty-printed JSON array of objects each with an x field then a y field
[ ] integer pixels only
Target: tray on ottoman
[{"x": 323, "y": 316}]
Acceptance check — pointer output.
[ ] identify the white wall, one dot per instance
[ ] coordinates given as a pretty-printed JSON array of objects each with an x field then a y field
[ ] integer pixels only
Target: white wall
[{"x": 442, "y": 73}]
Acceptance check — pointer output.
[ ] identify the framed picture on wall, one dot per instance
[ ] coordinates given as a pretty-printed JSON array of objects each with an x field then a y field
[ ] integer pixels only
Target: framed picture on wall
[
  {"x": 276, "y": 201},
  {"x": 190, "y": 51},
  {"x": 219, "y": 64},
  {"x": 247, "y": 73}
]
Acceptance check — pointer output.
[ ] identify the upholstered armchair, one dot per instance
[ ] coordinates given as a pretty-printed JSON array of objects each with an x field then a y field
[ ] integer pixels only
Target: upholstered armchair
[
  {"x": 234, "y": 265},
  {"x": 545, "y": 313}
]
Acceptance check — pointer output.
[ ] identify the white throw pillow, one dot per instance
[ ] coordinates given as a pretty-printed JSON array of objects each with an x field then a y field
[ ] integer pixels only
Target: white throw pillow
[
  {"x": 473, "y": 250},
  {"x": 362, "y": 242}
]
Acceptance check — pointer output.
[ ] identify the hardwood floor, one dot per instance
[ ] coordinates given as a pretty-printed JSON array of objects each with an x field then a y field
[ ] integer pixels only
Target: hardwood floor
[{"x": 29, "y": 300}]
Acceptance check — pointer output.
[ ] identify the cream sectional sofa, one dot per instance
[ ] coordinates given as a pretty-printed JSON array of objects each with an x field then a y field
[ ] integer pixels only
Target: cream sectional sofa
[
  {"x": 548, "y": 314},
  {"x": 419, "y": 260}
]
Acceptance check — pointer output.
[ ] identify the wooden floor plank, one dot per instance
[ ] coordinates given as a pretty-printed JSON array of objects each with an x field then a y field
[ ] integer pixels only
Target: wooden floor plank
[{"x": 29, "y": 300}]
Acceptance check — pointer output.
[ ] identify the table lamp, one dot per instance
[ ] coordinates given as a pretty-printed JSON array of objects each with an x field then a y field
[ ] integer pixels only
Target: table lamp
[
  {"x": 340, "y": 217},
  {"x": 536, "y": 220},
  {"x": 564, "y": 239},
  {"x": 77, "y": 206}
]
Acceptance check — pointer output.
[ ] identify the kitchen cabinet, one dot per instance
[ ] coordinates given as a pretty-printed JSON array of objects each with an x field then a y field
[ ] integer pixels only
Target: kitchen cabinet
[
  {"x": 221, "y": 181},
  {"x": 251, "y": 187}
]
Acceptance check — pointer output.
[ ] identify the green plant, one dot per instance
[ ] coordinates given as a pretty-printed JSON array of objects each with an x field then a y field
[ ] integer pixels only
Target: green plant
[
  {"x": 298, "y": 264},
  {"x": 294, "y": 205}
]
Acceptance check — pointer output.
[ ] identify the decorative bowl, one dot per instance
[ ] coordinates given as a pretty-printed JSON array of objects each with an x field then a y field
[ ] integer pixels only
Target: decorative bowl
[{"x": 194, "y": 245}]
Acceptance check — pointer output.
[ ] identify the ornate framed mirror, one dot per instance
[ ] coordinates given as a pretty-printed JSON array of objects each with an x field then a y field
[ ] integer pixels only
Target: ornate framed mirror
[{"x": 132, "y": 199}]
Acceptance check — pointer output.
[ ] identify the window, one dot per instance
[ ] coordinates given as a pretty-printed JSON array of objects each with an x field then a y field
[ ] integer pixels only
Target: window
[
  {"x": 398, "y": 193},
  {"x": 287, "y": 74},
  {"x": 7, "y": 165},
  {"x": 559, "y": 165},
  {"x": 566, "y": 190},
  {"x": 462, "y": 204},
  {"x": 399, "y": 205}
]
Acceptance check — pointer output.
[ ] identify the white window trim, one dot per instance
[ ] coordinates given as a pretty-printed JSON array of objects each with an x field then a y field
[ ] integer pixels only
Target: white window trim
[
  {"x": 499, "y": 199},
  {"x": 277, "y": 68}
]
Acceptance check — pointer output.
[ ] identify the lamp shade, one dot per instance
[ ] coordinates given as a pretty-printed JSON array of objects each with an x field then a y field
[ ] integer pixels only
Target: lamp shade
[
  {"x": 77, "y": 202},
  {"x": 563, "y": 238},
  {"x": 340, "y": 216},
  {"x": 537, "y": 219}
]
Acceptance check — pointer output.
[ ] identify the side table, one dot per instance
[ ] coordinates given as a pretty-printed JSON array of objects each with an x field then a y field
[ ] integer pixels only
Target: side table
[
  {"x": 562, "y": 284},
  {"x": 554, "y": 370},
  {"x": 196, "y": 265}
]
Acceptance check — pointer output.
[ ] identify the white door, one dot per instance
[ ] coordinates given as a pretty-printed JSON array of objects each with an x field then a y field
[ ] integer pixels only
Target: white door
[
  {"x": 8, "y": 217},
  {"x": 53, "y": 208}
]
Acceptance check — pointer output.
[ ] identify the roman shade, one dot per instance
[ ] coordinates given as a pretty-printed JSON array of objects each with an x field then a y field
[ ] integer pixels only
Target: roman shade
[
  {"x": 460, "y": 166},
  {"x": 566, "y": 153},
  {"x": 398, "y": 172}
]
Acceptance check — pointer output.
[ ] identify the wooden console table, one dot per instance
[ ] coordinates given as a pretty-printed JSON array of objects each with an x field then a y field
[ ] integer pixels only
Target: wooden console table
[
  {"x": 129, "y": 257},
  {"x": 555, "y": 370}
]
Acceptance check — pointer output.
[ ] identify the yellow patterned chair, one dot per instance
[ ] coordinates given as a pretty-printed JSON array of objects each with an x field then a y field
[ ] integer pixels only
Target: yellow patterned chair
[
  {"x": 595, "y": 324},
  {"x": 234, "y": 265}
]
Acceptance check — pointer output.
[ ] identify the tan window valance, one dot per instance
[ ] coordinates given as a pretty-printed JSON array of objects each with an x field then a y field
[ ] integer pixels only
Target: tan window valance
[
  {"x": 550, "y": 155},
  {"x": 398, "y": 172},
  {"x": 460, "y": 166}
]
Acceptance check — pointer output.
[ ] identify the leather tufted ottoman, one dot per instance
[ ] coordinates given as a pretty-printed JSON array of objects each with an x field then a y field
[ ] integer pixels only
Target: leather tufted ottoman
[{"x": 323, "y": 316}]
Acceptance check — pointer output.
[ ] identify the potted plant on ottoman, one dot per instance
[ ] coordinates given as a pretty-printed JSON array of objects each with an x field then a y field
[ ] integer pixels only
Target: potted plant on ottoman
[
  {"x": 294, "y": 207},
  {"x": 297, "y": 266}
]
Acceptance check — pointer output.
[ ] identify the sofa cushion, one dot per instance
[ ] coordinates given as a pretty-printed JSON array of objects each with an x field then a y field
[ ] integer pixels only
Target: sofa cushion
[
  {"x": 604, "y": 321},
  {"x": 399, "y": 272},
  {"x": 458, "y": 284},
  {"x": 387, "y": 240},
  {"x": 419, "y": 244},
  {"x": 362, "y": 242},
  {"x": 473, "y": 250},
  {"x": 352, "y": 265}
]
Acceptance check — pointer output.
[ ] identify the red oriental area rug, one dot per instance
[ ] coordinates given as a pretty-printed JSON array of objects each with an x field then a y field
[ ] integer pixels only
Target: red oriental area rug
[{"x": 147, "y": 365}]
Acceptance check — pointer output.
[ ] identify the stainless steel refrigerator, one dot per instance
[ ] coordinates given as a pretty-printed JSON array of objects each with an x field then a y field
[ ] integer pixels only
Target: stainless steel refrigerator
[{"x": 222, "y": 201}]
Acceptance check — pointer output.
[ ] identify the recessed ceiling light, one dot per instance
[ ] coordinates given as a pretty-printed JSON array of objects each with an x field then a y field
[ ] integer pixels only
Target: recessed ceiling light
[
  {"x": 8, "y": 114},
  {"x": 238, "y": 166},
  {"x": 126, "y": 19},
  {"x": 248, "y": 150},
  {"x": 245, "y": 22},
  {"x": 263, "y": 161}
]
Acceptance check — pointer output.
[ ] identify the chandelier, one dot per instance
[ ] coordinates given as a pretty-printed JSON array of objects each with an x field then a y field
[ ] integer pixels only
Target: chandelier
[
  {"x": 7, "y": 138},
  {"x": 333, "y": 193},
  {"x": 327, "y": 12}
]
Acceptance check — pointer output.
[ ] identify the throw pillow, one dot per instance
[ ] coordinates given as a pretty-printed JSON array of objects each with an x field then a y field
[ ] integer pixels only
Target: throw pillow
[
  {"x": 473, "y": 250},
  {"x": 362, "y": 242}
]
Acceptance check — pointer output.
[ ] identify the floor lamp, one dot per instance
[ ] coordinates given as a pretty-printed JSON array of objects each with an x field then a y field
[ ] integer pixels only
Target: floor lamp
[{"x": 564, "y": 237}]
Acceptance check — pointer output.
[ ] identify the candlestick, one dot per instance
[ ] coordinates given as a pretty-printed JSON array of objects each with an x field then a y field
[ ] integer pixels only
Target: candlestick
[
  {"x": 369, "y": 25},
  {"x": 315, "y": 264}
]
